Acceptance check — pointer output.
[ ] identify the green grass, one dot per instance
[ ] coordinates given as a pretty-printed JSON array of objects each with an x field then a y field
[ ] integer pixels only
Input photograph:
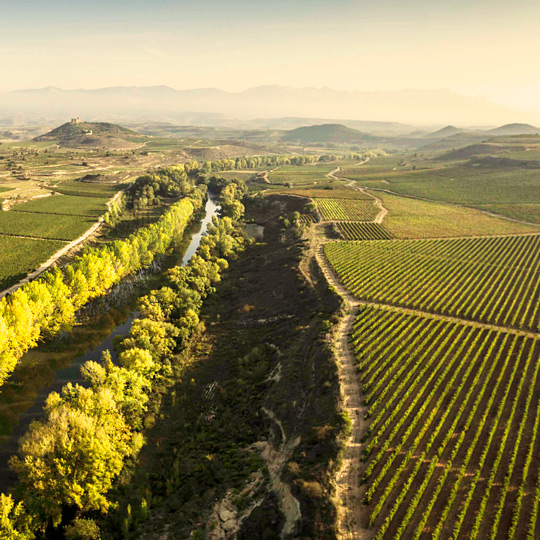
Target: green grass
[
  {"x": 54, "y": 226},
  {"x": 19, "y": 256},
  {"x": 66, "y": 204},
  {"x": 411, "y": 218}
]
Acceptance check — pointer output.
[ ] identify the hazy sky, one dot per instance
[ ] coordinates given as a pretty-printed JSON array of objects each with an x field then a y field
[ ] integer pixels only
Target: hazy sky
[{"x": 483, "y": 47}]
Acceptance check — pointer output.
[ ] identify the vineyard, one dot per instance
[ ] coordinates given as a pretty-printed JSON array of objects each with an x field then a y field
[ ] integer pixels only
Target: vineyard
[
  {"x": 357, "y": 230},
  {"x": 451, "y": 450},
  {"x": 495, "y": 280},
  {"x": 329, "y": 193},
  {"x": 38, "y": 225},
  {"x": 22, "y": 255},
  {"x": 65, "y": 204},
  {"x": 347, "y": 210}
]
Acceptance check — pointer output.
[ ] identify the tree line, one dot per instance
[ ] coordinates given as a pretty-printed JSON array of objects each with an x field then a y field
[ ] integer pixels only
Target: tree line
[
  {"x": 68, "y": 462},
  {"x": 47, "y": 305}
]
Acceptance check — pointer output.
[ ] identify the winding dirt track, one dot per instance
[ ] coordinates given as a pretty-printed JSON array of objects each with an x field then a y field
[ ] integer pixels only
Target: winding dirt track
[{"x": 348, "y": 489}]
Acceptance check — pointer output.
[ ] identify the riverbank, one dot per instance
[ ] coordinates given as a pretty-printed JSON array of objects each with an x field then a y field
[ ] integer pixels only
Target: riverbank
[{"x": 55, "y": 362}]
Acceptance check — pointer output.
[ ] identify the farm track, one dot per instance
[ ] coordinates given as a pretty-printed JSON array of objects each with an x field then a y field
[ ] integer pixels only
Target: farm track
[{"x": 348, "y": 477}]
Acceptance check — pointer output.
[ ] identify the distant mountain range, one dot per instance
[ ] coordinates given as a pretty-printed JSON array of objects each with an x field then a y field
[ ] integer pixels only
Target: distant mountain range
[{"x": 211, "y": 106}]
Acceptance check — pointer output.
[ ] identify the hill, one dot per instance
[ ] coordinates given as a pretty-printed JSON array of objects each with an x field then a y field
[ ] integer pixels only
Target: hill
[
  {"x": 448, "y": 131},
  {"x": 479, "y": 149},
  {"x": 327, "y": 133},
  {"x": 79, "y": 134},
  {"x": 514, "y": 129}
]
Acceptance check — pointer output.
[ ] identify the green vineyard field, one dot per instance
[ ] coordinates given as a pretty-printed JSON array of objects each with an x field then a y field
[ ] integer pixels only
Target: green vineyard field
[
  {"x": 451, "y": 448},
  {"x": 65, "y": 204},
  {"x": 494, "y": 280},
  {"x": 357, "y": 230},
  {"x": 347, "y": 210},
  {"x": 22, "y": 255}
]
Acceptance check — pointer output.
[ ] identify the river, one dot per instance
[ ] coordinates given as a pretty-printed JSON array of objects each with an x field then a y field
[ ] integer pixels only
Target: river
[{"x": 51, "y": 365}]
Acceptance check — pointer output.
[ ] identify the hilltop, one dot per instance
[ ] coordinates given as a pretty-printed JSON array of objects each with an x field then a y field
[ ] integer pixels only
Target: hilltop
[
  {"x": 448, "y": 131},
  {"x": 79, "y": 134},
  {"x": 514, "y": 129},
  {"x": 327, "y": 133}
]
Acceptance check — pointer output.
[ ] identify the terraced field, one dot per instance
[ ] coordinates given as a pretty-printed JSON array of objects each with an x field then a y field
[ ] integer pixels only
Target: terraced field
[
  {"x": 358, "y": 230},
  {"x": 493, "y": 280},
  {"x": 452, "y": 446},
  {"x": 347, "y": 210}
]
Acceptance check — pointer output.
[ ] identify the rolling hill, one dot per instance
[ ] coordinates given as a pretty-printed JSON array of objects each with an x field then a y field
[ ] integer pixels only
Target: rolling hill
[
  {"x": 327, "y": 133},
  {"x": 448, "y": 131},
  {"x": 514, "y": 129},
  {"x": 79, "y": 134}
]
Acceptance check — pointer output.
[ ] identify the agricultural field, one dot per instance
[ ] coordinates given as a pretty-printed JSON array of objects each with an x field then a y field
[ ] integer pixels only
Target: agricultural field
[
  {"x": 65, "y": 204},
  {"x": 452, "y": 440},
  {"x": 302, "y": 176},
  {"x": 358, "y": 230},
  {"x": 413, "y": 218},
  {"x": 78, "y": 188},
  {"x": 493, "y": 280},
  {"x": 493, "y": 188},
  {"x": 347, "y": 210},
  {"x": 330, "y": 192},
  {"x": 35, "y": 224},
  {"x": 19, "y": 256}
]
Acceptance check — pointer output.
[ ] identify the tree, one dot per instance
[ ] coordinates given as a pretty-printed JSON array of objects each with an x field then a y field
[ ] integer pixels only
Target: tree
[
  {"x": 15, "y": 523},
  {"x": 71, "y": 458}
]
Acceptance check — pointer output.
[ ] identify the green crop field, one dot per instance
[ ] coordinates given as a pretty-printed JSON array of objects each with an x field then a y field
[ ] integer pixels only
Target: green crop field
[
  {"x": 19, "y": 256},
  {"x": 494, "y": 279},
  {"x": 87, "y": 189},
  {"x": 467, "y": 185},
  {"x": 330, "y": 192},
  {"x": 412, "y": 218},
  {"x": 452, "y": 440},
  {"x": 347, "y": 210},
  {"x": 358, "y": 230},
  {"x": 54, "y": 226},
  {"x": 66, "y": 204},
  {"x": 301, "y": 175}
]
